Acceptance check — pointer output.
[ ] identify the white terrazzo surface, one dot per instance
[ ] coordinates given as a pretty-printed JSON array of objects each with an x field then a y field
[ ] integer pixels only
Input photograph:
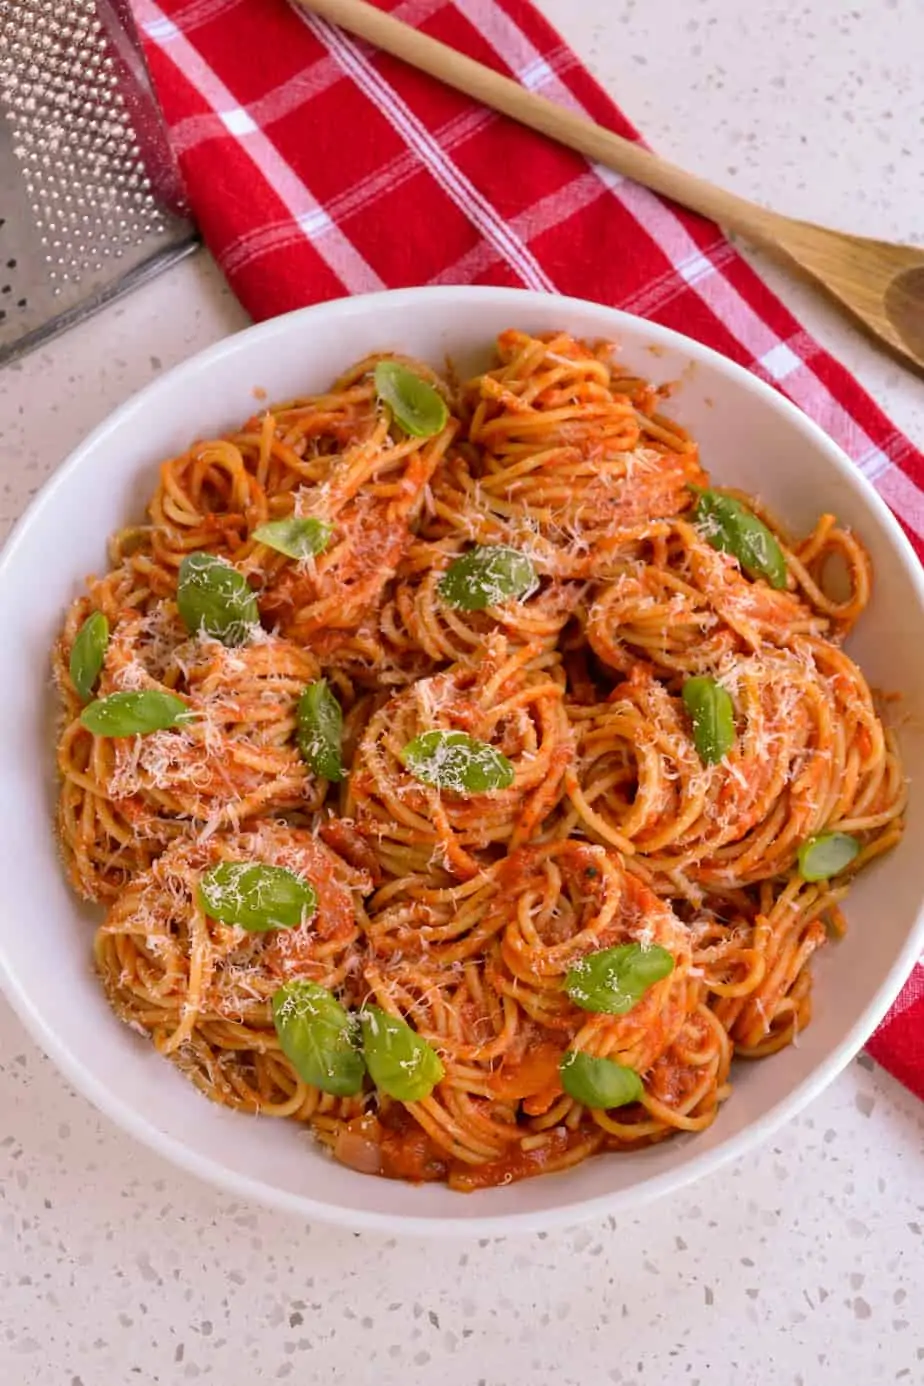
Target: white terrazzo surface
[{"x": 802, "y": 1266}]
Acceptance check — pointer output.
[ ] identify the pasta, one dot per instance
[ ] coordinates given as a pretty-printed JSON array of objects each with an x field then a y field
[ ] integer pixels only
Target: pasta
[{"x": 463, "y": 774}]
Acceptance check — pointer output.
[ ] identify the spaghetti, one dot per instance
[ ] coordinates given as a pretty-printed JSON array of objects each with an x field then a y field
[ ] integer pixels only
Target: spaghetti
[{"x": 560, "y": 745}]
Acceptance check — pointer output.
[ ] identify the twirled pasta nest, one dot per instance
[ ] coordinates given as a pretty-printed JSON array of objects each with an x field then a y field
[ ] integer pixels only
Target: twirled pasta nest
[{"x": 511, "y": 699}]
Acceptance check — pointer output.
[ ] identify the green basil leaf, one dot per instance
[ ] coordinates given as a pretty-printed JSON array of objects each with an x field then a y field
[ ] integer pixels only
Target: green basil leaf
[
  {"x": 453, "y": 760},
  {"x": 730, "y": 527},
  {"x": 135, "y": 714},
  {"x": 598, "y": 1082},
  {"x": 826, "y": 854},
  {"x": 215, "y": 598},
  {"x": 712, "y": 714},
  {"x": 320, "y": 730},
  {"x": 486, "y": 576},
  {"x": 295, "y": 537},
  {"x": 416, "y": 406},
  {"x": 613, "y": 980},
  {"x": 400, "y": 1062},
  {"x": 256, "y": 897},
  {"x": 317, "y": 1036},
  {"x": 88, "y": 653}
]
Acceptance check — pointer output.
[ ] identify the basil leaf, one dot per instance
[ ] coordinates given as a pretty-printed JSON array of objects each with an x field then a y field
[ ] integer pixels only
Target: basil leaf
[
  {"x": 255, "y": 896},
  {"x": 486, "y": 576},
  {"x": 416, "y": 406},
  {"x": 826, "y": 854},
  {"x": 453, "y": 760},
  {"x": 215, "y": 598},
  {"x": 317, "y": 1037},
  {"x": 713, "y": 717},
  {"x": 88, "y": 653},
  {"x": 730, "y": 527},
  {"x": 320, "y": 729},
  {"x": 295, "y": 537},
  {"x": 613, "y": 980},
  {"x": 598, "y": 1082},
  {"x": 400, "y": 1062},
  {"x": 135, "y": 714}
]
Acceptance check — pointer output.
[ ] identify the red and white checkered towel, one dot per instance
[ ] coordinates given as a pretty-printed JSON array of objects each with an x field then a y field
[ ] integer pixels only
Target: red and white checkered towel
[{"x": 317, "y": 167}]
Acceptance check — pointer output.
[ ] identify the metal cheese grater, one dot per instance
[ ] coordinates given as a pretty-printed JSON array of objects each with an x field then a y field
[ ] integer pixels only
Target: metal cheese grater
[{"x": 91, "y": 202}]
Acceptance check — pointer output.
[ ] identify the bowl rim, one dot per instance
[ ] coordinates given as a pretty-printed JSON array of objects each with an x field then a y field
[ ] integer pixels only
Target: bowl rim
[{"x": 570, "y": 1211}]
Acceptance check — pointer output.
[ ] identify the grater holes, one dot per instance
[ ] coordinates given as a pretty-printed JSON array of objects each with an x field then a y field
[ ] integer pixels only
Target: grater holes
[{"x": 71, "y": 131}]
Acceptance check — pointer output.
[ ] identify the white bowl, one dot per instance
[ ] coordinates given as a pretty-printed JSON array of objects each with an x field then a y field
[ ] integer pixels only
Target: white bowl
[{"x": 749, "y": 435}]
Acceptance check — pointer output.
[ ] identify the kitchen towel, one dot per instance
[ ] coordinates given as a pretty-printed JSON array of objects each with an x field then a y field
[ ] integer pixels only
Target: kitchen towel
[{"x": 318, "y": 167}]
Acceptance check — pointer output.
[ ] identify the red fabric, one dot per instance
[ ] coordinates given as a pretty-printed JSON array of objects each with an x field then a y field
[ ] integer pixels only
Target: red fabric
[
  {"x": 317, "y": 167},
  {"x": 898, "y": 1044}
]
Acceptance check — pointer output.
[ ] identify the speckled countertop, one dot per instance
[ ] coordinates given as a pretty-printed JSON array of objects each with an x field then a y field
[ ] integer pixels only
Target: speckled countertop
[{"x": 802, "y": 1266}]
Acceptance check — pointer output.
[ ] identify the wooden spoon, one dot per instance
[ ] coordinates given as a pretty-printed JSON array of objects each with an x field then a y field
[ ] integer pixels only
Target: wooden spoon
[{"x": 879, "y": 284}]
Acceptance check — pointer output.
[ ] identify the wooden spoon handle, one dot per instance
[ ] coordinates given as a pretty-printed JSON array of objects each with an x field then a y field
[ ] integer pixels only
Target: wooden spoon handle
[{"x": 503, "y": 94}]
